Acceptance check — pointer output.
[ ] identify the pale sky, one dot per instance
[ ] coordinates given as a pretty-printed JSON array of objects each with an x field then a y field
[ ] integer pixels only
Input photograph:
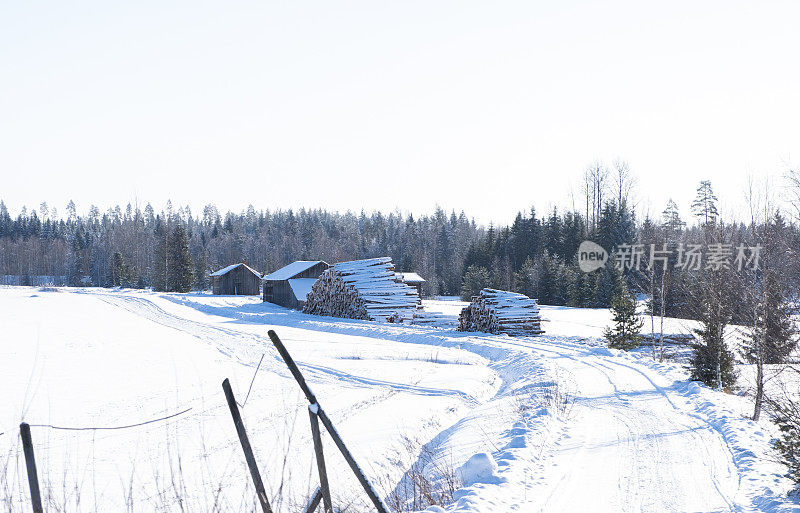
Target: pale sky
[{"x": 487, "y": 107}]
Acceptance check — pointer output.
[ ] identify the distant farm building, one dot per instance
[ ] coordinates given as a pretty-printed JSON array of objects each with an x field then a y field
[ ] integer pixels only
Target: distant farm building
[
  {"x": 412, "y": 279},
  {"x": 236, "y": 280},
  {"x": 289, "y": 285}
]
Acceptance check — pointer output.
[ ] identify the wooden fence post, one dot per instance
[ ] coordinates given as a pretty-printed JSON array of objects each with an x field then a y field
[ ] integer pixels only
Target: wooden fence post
[
  {"x": 30, "y": 464},
  {"x": 293, "y": 368},
  {"x": 316, "y": 497},
  {"x": 323, "y": 473},
  {"x": 371, "y": 493},
  {"x": 298, "y": 376},
  {"x": 248, "y": 451}
]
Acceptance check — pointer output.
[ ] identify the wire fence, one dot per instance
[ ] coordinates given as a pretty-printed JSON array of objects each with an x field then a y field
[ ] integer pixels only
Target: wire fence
[{"x": 320, "y": 497}]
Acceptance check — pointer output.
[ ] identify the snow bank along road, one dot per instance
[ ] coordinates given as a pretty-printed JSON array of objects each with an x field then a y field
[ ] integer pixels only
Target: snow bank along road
[{"x": 636, "y": 436}]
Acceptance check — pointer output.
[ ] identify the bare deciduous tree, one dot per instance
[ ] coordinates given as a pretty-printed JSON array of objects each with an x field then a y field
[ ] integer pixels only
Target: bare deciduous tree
[
  {"x": 595, "y": 182},
  {"x": 624, "y": 183}
]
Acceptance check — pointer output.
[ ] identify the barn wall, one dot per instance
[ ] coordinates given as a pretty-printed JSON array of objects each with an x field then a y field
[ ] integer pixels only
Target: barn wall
[
  {"x": 282, "y": 293},
  {"x": 239, "y": 281}
]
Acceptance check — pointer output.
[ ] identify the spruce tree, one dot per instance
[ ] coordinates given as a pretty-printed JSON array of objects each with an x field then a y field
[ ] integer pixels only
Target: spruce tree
[
  {"x": 626, "y": 332},
  {"x": 118, "y": 270},
  {"x": 525, "y": 279},
  {"x": 577, "y": 288},
  {"x": 773, "y": 335},
  {"x": 704, "y": 206},
  {"x": 5, "y": 221},
  {"x": 671, "y": 220},
  {"x": 606, "y": 280},
  {"x": 786, "y": 415},
  {"x": 475, "y": 279},
  {"x": 180, "y": 276},
  {"x": 712, "y": 362},
  {"x": 160, "y": 256},
  {"x": 200, "y": 277},
  {"x": 561, "y": 276},
  {"x": 545, "y": 280},
  {"x": 77, "y": 265},
  {"x": 780, "y": 333}
]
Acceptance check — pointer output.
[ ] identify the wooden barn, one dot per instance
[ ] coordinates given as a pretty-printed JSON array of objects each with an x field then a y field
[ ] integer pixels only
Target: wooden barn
[
  {"x": 236, "y": 280},
  {"x": 289, "y": 285},
  {"x": 412, "y": 279}
]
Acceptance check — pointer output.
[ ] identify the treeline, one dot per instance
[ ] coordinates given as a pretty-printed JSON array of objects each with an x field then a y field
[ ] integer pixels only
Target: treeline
[
  {"x": 535, "y": 255},
  {"x": 538, "y": 256},
  {"x": 135, "y": 247},
  {"x": 175, "y": 249}
]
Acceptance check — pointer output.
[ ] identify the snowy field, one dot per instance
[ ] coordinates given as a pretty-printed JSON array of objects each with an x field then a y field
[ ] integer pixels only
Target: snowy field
[{"x": 551, "y": 423}]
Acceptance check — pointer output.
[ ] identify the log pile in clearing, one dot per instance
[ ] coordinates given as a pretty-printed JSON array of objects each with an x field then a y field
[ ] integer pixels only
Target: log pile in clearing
[
  {"x": 362, "y": 289},
  {"x": 435, "y": 319},
  {"x": 500, "y": 311}
]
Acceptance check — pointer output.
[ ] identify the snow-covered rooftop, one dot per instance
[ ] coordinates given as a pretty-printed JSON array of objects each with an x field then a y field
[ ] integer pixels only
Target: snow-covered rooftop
[
  {"x": 411, "y": 278},
  {"x": 292, "y": 270},
  {"x": 226, "y": 270}
]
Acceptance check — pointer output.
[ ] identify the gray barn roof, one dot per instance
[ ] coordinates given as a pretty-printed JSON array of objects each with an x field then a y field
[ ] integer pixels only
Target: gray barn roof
[
  {"x": 290, "y": 271},
  {"x": 226, "y": 270}
]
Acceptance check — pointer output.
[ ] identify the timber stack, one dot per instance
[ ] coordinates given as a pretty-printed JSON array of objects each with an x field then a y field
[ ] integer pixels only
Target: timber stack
[
  {"x": 434, "y": 319},
  {"x": 500, "y": 311},
  {"x": 362, "y": 289}
]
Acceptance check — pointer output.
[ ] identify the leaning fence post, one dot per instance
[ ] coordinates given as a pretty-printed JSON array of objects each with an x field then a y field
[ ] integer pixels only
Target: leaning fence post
[
  {"x": 30, "y": 464},
  {"x": 248, "y": 451},
  {"x": 313, "y": 410},
  {"x": 316, "y": 497},
  {"x": 298, "y": 376},
  {"x": 293, "y": 368},
  {"x": 371, "y": 493}
]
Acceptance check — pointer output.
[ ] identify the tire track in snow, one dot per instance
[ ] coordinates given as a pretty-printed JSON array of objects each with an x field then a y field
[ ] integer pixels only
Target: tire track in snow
[
  {"x": 247, "y": 348},
  {"x": 643, "y": 420},
  {"x": 221, "y": 339},
  {"x": 731, "y": 467},
  {"x": 663, "y": 458}
]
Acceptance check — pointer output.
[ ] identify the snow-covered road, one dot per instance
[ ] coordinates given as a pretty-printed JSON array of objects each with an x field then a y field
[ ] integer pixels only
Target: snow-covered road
[
  {"x": 637, "y": 437},
  {"x": 633, "y": 444}
]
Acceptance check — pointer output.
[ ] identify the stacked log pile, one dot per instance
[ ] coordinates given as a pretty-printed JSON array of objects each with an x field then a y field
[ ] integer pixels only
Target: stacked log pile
[
  {"x": 435, "y": 319},
  {"x": 500, "y": 311},
  {"x": 362, "y": 289}
]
